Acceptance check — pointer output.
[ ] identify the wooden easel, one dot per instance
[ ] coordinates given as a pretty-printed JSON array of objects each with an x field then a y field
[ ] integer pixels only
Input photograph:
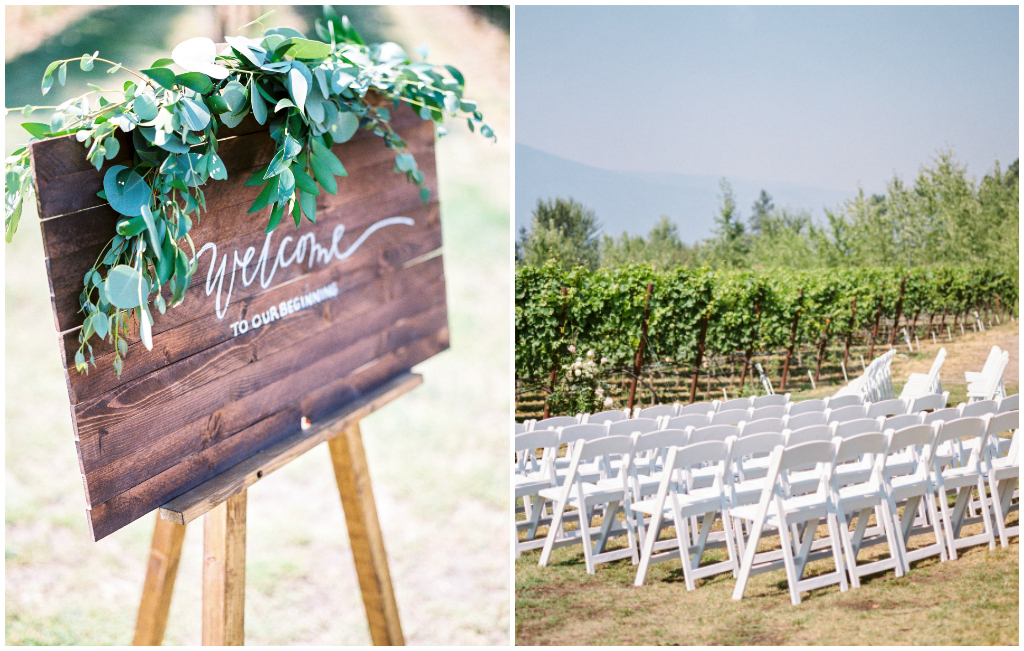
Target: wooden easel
[{"x": 223, "y": 501}]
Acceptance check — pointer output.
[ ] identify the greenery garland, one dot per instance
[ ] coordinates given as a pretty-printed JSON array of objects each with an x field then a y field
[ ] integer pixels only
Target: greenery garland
[{"x": 312, "y": 94}]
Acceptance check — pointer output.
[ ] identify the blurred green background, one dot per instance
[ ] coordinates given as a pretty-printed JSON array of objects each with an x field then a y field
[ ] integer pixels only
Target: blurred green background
[{"x": 438, "y": 456}]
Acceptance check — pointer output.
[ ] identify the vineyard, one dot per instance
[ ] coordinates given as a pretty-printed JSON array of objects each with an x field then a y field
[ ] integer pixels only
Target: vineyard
[{"x": 692, "y": 334}]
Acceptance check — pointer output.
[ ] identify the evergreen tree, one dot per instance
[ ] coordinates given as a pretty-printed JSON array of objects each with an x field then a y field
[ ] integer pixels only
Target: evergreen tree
[{"x": 564, "y": 231}]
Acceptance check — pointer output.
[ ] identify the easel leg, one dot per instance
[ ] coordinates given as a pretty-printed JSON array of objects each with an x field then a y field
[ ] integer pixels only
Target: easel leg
[
  {"x": 164, "y": 555},
  {"x": 353, "y": 477},
  {"x": 224, "y": 573}
]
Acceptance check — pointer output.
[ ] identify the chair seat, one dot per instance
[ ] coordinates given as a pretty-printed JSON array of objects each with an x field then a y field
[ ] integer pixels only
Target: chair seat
[
  {"x": 695, "y": 502},
  {"x": 806, "y": 506}
]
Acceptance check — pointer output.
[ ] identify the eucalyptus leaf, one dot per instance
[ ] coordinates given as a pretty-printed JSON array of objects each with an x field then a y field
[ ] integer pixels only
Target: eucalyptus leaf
[
  {"x": 146, "y": 327},
  {"x": 127, "y": 198},
  {"x": 194, "y": 114},
  {"x": 125, "y": 287},
  {"x": 198, "y": 55},
  {"x": 197, "y": 81},
  {"x": 259, "y": 107},
  {"x": 301, "y": 48},
  {"x": 36, "y": 129},
  {"x": 145, "y": 106},
  {"x": 344, "y": 127},
  {"x": 162, "y": 76},
  {"x": 298, "y": 85}
]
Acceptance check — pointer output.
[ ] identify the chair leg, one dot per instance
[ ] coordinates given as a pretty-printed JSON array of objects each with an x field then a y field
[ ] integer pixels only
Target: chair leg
[
  {"x": 553, "y": 533},
  {"x": 651, "y": 538},
  {"x": 788, "y": 562},
  {"x": 747, "y": 561},
  {"x": 837, "y": 555},
  {"x": 851, "y": 554}
]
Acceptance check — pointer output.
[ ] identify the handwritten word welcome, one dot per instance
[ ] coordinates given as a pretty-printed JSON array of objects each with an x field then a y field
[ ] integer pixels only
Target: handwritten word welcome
[{"x": 306, "y": 248}]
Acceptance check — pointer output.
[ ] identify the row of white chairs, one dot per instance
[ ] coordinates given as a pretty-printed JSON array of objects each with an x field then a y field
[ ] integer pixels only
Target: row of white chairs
[
  {"x": 919, "y": 384},
  {"x": 716, "y": 470},
  {"x": 875, "y": 384},
  {"x": 988, "y": 383}
]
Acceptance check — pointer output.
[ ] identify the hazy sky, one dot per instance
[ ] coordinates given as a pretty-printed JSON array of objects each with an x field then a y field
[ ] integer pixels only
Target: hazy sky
[{"x": 833, "y": 97}]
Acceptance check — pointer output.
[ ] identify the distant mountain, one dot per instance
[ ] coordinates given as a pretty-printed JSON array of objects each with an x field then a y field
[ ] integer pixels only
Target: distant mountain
[{"x": 634, "y": 201}]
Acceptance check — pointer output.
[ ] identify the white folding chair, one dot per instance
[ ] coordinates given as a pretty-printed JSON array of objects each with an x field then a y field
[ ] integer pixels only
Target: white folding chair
[
  {"x": 805, "y": 406},
  {"x": 657, "y": 411},
  {"x": 735, "y": 403},
  {"x": 859, "y": 499},
  {"x": 611, "y": 493},
  {"x": 728, "y": 417},
  {"x": 769, "y": 411},
  {"x": 928, "y": 402},
  {"x": 649, "y": 453},
  {"x": 806, "y": 419},
  {"x": 630, "y": 425},
  {"x": 899, "y": 422},
  {"x": 769, "y": 400},
  {"x": 978, "y": 408},
  {"x": 920, "y": 384},
  {"x": 555, "y": 422},
  {"x": 571, "y": 437},
  {"x": 696, "y": 408},
  {"x": 777, "y": 510},
  {"x": 521, "y": 428},
  {"x": 838, "y": 402},
  {"x": 1003, "y": 475},
  {"x": 849, "y": 412},
  {"x": 687, "y": 420},
  {"x": 532, "y": 475},
  {"x": 910, "y": 488},
  {"x": 987, "y": 371},
  {"x": 605, "y": 417},
  {"x": 764, "y": 425},
  {"x": 1009, "y": 403},
  {"x": 679, "y": 500},
  {"x": 963, "y": 480},
  {"x": 893, "y": 407},
  {"x": 990, "y": 383},
  {"x": 750, "y": 457}
]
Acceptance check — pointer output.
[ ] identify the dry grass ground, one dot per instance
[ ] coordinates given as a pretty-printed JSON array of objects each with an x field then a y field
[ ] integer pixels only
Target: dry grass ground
[
  {"x": 973, "y": 600},
  {"x": 438, "y": 457}
]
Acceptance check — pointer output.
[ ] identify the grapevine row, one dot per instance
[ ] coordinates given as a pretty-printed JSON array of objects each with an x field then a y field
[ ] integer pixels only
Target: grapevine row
[{"x": 746, "y": 311}]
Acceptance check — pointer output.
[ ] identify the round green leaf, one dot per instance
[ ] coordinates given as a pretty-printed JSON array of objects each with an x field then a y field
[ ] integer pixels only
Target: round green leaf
[
  {"x": 344, "y": 127},
  {"x": 194, "y": 114},
  {"x": 126, "y": 287},
  {"x": 127, "y": 198}
]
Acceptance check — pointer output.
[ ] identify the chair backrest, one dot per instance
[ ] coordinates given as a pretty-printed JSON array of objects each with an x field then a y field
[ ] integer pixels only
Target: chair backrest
[
  {"x": 993, "y": 358},
  {"x": 713, "y": 433},
  {"x": 735, "y": 403},
  {"x": 586, "y": 432},
  {"x": 610, "y": 416},
  {"x": 701, "y": 454},
  {"x": 555, "y": 422},
  {"x": 806, "y": 419},
  {"x": 526, "y": 447},
  {"x": 979, "y": 408},
  {"x": 1009, "y": 403},
  {"x": 751, "y": 428},
  {"x": 657, "y": 411},
  {"x": 960, "y": 429},
  {"x": 838, "y": 402},
  {"x": 521, "y": 428},
  {"x": 949, "y": 413},
  {"x": 991, "y": 380},
  {"x": 846, "y": 429},
  {"x": 687, "y": 420},
  {"x": 808, "y": 434},
  {"x": 892, "y": 407},
  {"x": 651, "y": 446},
  {"x": 1008, "y": 421},
  {"x": 929, "y": 402},
  {"x": 843, "y": 414},
  {"x": 768, "y": 411},
  {"x": 757, "y": 445},
  {"x": 605, "y": 449},
  {"x": 769, "y": 400},
  {"x": 630, "y": 425},
  {"x": 805, "y": 406},
  {"x": 899, "y": 422},
  {"x": 920, "y": 439},
  {"x": 800, "y": 457},
  {"x": 696, "y": 408},
  {"x": 729, "y": 417},
  {"x": 870, "y": 447}
]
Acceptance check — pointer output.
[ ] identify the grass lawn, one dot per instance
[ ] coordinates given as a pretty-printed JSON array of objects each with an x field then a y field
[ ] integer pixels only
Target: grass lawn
[{"x": 972, "y": 600}]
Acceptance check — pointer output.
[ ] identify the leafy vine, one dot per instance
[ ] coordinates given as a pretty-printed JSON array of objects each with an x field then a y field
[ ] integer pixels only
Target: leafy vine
[{"x": 312, "y": 94}]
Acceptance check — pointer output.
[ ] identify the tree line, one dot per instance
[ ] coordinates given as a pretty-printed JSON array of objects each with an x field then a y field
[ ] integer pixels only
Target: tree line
[{"x": 942, "y": 218}]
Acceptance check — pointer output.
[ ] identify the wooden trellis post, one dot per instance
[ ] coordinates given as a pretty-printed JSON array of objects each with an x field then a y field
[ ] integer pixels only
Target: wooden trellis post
[
  {"x": 849, "y": 334},
  {"x": 899, "y": 310},
  {"x": 638, "y": 364},
  {"x": 554, "y": 364},
  {"x": 700, "y": 357},
  {"x": 792, "y": 341}
]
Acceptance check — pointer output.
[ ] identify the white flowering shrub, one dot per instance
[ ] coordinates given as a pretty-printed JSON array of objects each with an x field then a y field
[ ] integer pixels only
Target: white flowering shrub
[{"x": 580, "y": 388}]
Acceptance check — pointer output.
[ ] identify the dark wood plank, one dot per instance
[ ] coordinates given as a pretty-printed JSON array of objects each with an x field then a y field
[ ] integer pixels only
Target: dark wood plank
[
  {"x": 198, "y": 501},
  {"x": 121, "y": 474},
  {"x": 202, "y": 329},
  {"x": 316, "y": 404},
  {"x": 69, "y": 270}
]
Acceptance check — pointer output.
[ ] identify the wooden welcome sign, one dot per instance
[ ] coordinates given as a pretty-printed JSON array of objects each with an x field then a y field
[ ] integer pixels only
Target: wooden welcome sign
[{"x": 274, "y": 329}]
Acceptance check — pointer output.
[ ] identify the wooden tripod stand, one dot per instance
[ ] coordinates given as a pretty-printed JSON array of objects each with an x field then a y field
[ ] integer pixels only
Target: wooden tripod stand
[{"x": 223, "y": 501}]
